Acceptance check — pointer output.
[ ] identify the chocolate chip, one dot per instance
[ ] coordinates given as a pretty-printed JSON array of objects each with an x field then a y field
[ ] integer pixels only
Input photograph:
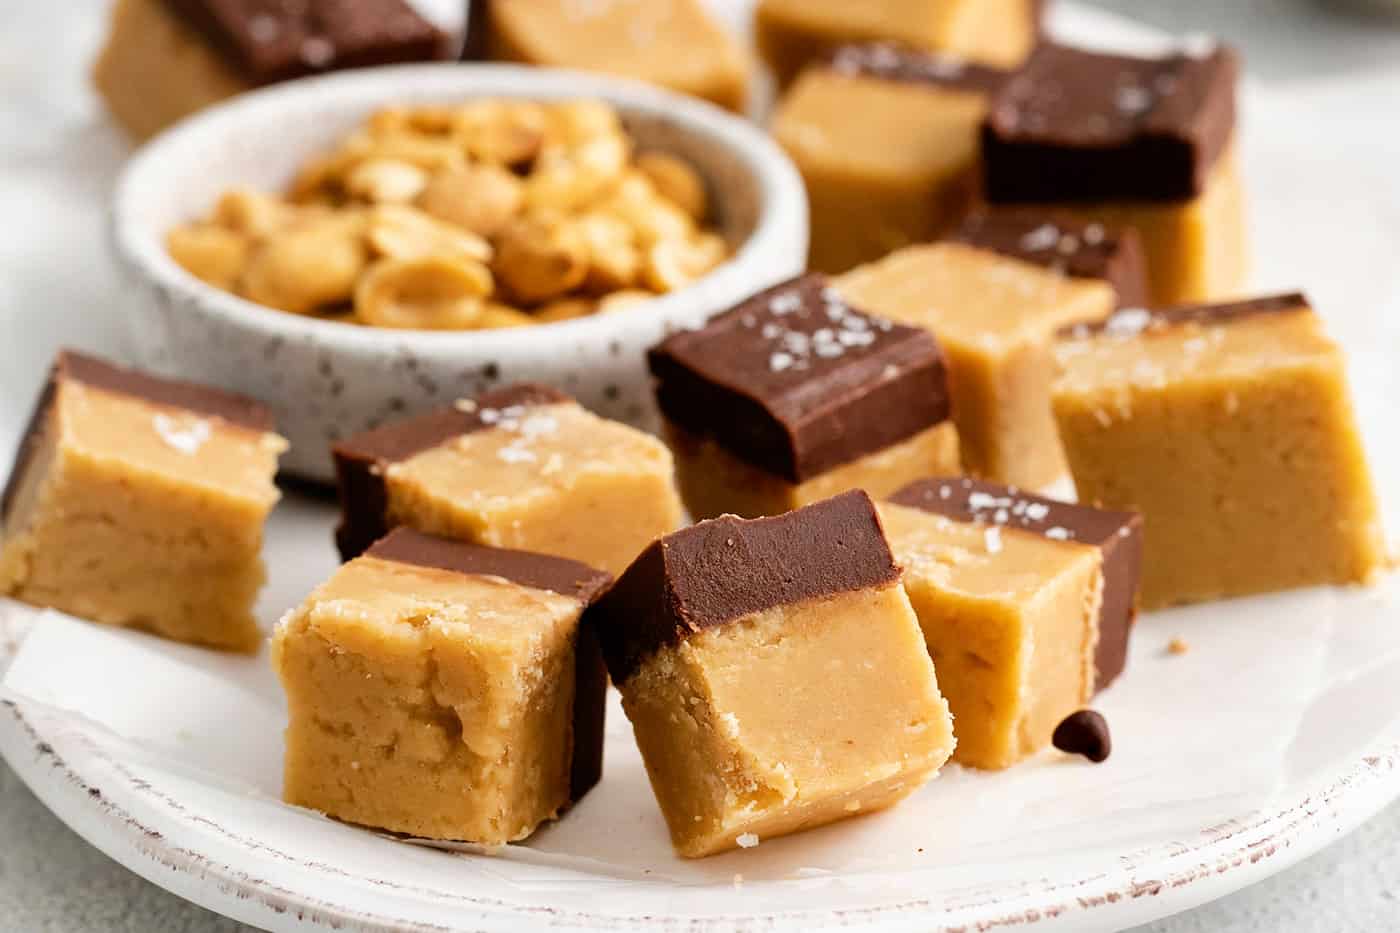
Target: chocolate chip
[{"x": 1084, "y": 733}]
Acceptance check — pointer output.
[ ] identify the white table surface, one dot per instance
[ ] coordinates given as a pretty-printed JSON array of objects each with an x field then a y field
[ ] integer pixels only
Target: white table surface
[{"x": 1343, "y": 72}]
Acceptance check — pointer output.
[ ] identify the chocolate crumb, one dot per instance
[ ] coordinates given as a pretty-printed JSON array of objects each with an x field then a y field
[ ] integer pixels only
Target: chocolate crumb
[
  {"x": 1178, "y": 646},
  {"x": 1084, "y": 733}
]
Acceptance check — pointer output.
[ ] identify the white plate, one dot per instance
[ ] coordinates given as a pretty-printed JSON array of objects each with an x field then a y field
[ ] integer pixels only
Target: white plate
[{"x": 1274, "y": 735}]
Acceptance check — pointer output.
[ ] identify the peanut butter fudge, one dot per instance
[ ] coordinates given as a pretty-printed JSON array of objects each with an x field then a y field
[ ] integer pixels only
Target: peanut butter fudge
[
  {"x": 995, "y": 316},
  {"x": 1230, "y": 428},
  {"x": 1083, "y": 249},
  {"x": 139, "y": 501},
  {"x": 886, "y": 139},
  {"x": 1010, "y": 619},
  {"x": 774, "y": 674},
  {"x": 1117, "y": 536},
  {"x": 166, "y": 59},
  {"x": 444, "y": 690},
  {"x": 674, "y": 43},
  {"x": 1147, "y": 143},
  {"x": 792, "y": 33},
  {"x": 523, "y": 467},
  {"x": 794, "y": 396}
]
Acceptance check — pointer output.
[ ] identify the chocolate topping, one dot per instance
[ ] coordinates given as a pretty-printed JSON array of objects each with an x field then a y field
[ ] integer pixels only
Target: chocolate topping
[
  {"x": 556, "y": 574},
  {"x": 273, "y": 40},
  {"x": 1079, "y": 248},
  {"x": 1118, "y": 535},
  {"x": 540, "y": 571},
  {"x": 360, "y": 460},
  {"x": 727, "y": 568},
  {"x": 1133, "y": 322},
  {"x": 1084, "y": 733},
  {"x": 71, "y": 366},
  {"x": 1075, "y": 125},
  {"x": 795, "y": 381},
  {"x": 890, "y": 61}
]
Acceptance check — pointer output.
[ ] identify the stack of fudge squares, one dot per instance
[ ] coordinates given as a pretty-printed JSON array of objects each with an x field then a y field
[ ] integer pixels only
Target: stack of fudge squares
[{"x": 1026, "y": 266}]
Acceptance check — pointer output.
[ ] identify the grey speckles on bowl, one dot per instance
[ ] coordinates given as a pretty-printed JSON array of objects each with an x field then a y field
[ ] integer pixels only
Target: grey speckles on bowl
[{"x": 326, "y": 380}]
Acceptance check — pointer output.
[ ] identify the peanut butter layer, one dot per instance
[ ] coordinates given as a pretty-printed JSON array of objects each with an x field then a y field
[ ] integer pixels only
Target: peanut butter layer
[
  {"x": 673, "y": 43},
  {"x": 1117, "y": 536},
  {"x": 524, "y": 467},
  {"x": 444, "y": 690},
  {"x": 140, "y": 502},
  {"x": 774, "y": 674},
  {"x": 1010, "y": 618},
  {"x": 994, "y": 316},
  {"x": 1230, "y": 428}
]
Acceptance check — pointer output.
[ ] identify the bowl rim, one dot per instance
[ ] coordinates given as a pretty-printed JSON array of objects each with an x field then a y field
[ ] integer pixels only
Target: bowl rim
[{"x": 782, "y": 209}]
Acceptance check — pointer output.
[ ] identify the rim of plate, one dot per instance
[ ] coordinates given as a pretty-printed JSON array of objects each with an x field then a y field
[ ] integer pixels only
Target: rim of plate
[
  {"x": 782, "y": 197},
  {"x": 1255, "y": 848}
]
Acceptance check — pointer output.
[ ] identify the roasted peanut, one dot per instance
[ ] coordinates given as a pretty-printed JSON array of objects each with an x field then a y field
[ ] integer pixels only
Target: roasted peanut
[
  {"x": 429, "y": 293},
  {"x": 613, "y": 259},
  {"x": 495, "y": 316},
  {"x": 402, "y": 232},
  {"x": 565, "y": 309},
  {"x": 423, "y": 118},
  {"x": 577, "y": 121},
  {"x": 385, "y": 181},
  {"x": 676, "y": 181},
  {"x": 303, "y": 270},
  {"x": 671, "y": 264},
  {"x": 213, "y": 254},
  {"x": 251, "y": 213},
  {"x": 541, "y": 257},
  {"x": 479, "y": 198},
  {"x": 500, "y": 132},
  {"x": 626, "y": 298}
]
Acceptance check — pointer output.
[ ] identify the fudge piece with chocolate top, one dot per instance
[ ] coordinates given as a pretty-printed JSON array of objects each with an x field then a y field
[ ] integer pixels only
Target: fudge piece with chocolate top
[
  {"x": 1079, "y": 248},
  {"x": 166, "y": 59},
  {"x": 1146, "y": 143},
  {"x": 140, "y": 501},
  {"x": 774, "y": 674},
  {"x": 444, "y": 690},
  {"x": 677, "y": 44},
  {"x": 793, "y": 33},
  {"x": 995, "y": 315},
  {"x": 523, "y": 467},
  {"x": 1011, "y": 608},
  {"x": 886, "y": 139},
  {"x": 1230, "y": 428},
  {"x": 794, "y": 396},
  {"x": 1116, "y": 535}
]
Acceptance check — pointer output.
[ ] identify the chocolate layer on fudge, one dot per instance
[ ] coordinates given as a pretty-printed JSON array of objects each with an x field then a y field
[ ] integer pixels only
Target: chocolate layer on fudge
[
  {"x": 72, "y": 366},
  {"x": 795, "y": 381},
  {"x": 541, "y": 572},
  {"x": 1079, "y": 248},
  {"x": 726, "y": 568},
  {"x": 1130, "y": 322},
  {"x": 274, "y": 40},
  {"x": 360, "y": 461},
  {"x": 1075, "y": 125},
  {"x": 890, "y": 61},
  {"x": 1117, "y": 534}
]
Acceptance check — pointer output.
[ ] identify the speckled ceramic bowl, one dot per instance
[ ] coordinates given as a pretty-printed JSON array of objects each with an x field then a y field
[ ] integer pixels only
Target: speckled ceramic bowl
[{"x": 326, "y": 380}]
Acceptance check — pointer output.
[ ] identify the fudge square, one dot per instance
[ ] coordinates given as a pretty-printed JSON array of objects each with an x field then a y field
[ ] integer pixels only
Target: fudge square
[
  {"x": 995, "y": 316},
  {"x": 166, "y": 59},
  {"x": 886, "y": 140},
  {"x": 1230, "y": 428},
  {"x": 774, "y": 674},
  {"x": 1079, "y": 248},
  {"x": 1146, "y": 143},
  {"x": 791, "y": 33},
  {"x": 674, "y": 43},
  {"x": 1010, "y": 619},
  {"x": 1117, "y": 536},
  {"x": 794, "y": 396},
  {"x": 444, "y": 689},
  {"x": 522, "y": 467},
  {"x": 140, "y": 502}
]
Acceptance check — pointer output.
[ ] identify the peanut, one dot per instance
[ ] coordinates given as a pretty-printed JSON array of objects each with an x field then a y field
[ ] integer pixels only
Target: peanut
[
  {"x": 428, "y": 293},
  {"x": 677, "y": 182},
  {"x": 214, "y": 254},
  {"x": 479, "y": 198},
  {"x": 303, "y": 270},
  {"x": 540, "y": 258}
]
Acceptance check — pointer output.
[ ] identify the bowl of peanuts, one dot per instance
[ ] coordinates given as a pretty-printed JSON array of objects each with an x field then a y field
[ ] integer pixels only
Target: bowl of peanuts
[{"x": 362, "y": 246}]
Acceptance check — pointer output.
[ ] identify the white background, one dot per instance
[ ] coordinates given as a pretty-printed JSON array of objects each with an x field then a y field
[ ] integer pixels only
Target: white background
[{"x": 1343, "y": 76}]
